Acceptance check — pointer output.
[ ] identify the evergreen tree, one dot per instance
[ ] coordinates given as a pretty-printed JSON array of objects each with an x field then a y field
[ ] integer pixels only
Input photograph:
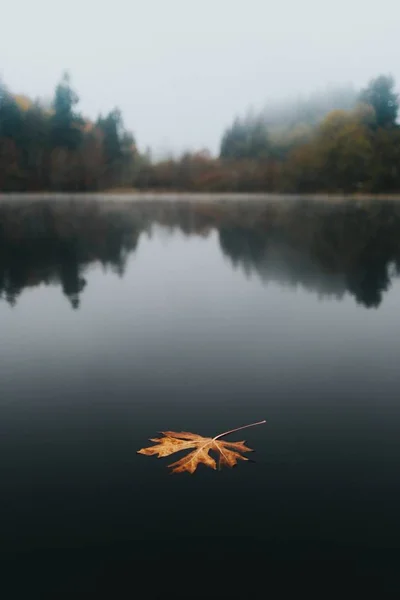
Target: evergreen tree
[
  {"x": 381, "y": 96},
  {"x": 66, "y": 131}
]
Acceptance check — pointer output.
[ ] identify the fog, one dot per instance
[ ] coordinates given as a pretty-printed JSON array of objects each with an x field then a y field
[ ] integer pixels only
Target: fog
[{"x": 180, "y": 70}]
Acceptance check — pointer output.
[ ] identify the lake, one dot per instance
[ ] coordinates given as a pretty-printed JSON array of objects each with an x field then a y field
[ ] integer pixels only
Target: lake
[{"x": 121, "y": 319}]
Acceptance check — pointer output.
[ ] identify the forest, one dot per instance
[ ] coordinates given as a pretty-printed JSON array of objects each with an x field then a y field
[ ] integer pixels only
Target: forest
[{"x": 344, "y": 141}]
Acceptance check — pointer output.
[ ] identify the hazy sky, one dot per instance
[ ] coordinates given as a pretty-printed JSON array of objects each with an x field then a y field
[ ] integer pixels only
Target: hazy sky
[{"x": 181, "y": 69}]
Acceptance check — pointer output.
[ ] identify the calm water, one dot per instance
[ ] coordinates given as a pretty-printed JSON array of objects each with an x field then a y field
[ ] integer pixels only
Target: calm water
[{"x": 121, "y": 320}]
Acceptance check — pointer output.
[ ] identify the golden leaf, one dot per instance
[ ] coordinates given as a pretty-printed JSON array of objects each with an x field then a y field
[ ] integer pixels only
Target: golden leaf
[{"x": 228, "y": 452}]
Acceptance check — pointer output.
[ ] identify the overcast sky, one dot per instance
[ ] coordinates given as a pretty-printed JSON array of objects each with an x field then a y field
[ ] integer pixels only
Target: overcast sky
[{"x": 181, "y": 69}]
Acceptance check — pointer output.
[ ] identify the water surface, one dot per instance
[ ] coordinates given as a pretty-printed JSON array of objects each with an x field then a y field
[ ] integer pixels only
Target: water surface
[{"x": 119, "y": 320}]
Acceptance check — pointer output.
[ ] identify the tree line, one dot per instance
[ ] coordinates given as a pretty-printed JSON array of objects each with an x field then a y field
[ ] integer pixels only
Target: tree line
[
  {"x": 52, "y": 147},
  {"x": 341, "y": 142},
  {"x": 354, "y": 147}
]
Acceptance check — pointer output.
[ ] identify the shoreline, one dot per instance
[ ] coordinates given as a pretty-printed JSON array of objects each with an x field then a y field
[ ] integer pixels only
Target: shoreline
[{"x": 212, "y": 197}]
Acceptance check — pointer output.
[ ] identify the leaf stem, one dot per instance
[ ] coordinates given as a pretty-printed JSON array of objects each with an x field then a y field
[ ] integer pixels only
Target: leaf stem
[{"x": 238, "y": 428}]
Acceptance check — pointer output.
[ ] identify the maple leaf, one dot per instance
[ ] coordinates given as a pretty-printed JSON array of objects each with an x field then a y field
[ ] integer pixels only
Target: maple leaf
[{"x": 228, "y": 452}]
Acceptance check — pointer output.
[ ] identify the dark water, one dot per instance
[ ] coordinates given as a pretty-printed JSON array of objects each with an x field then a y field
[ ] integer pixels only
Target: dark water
[{"x": 121, "y": 320}]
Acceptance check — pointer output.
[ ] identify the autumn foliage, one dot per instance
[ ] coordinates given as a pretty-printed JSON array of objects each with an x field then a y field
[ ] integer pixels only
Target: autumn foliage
[
  {"x": 337, "y": 143},
  {"x": 352, "y": 147}
]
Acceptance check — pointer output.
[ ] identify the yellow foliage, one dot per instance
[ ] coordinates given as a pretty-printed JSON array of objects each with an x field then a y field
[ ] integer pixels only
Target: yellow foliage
[{"x": 23, "y": 102}]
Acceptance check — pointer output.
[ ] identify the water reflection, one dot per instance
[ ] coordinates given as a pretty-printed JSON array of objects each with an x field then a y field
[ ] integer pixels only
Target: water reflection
[
  {"x": 49, "y": 244},
  {"x": 328, "y": 248}
]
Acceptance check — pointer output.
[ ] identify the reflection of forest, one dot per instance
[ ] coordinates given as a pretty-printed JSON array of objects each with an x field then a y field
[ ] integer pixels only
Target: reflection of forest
[
  {"x": 54, "y": 243},
  {"x": 328, "y": 248}
]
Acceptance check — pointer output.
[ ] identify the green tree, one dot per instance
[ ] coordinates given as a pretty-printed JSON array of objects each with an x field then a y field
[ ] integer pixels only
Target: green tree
[
  {"x": 380, "y": 94},
  {"x": 345, "y": 151},
  {"x": 112, "y": 128},
  {"x": 234, "y": 140},
  {"x": 246, "y": 139},
  {"x": 36, "y": 147},
  {"x": 118, "y": 148},
  {"x": 385, "y": 168},
  {"x": 66, "y": 123},
  {"x": 11, "y": 120},
  {"x": 338, "y": 158},
  {"x": 11, "y": 130}
]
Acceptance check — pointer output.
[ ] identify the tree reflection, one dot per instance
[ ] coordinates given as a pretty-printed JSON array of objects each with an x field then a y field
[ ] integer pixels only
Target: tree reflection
[
  {"x": 329, "y": 248},
  {"x": 45, "y": 244}
]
